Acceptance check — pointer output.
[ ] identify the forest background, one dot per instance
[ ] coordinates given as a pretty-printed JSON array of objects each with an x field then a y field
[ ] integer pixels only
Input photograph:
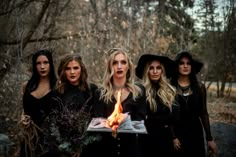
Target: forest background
[{"x": 204, "y": 27}]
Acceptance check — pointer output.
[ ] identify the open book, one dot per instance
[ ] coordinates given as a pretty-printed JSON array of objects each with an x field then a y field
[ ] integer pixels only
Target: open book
[{"x": 126, "y": 126}]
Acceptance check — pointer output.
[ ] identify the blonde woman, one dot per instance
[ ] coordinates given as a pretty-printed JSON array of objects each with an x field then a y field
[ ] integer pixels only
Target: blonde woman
[
  {"x": 119, "y": 76},
  {"x": 160, "y": 95}
]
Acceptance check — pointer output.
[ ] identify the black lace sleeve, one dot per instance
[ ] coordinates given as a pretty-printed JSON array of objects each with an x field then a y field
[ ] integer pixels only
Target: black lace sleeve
[{"x": 204, "y": 114}]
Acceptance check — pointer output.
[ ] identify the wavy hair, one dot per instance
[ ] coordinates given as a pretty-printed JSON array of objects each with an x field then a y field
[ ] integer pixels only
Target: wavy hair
[
  {"x": 107, "y": 86},
  {"x": 62, "y": 81},
  {"x": 166, "y": 92}
]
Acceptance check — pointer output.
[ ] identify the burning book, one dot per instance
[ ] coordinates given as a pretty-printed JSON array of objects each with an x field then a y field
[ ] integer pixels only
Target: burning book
[{"x": 117, "y": 122}]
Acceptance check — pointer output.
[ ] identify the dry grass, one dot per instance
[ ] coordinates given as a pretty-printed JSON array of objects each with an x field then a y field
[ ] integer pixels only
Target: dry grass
[{"x": 222, "y": 109}]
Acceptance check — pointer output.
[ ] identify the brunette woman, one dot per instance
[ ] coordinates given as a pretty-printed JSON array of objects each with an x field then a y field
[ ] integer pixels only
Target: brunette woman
[
  {"x": 75, "y": 96},
  {"x": 194, "y": 118},
  {"x": 37, "y": 97}
]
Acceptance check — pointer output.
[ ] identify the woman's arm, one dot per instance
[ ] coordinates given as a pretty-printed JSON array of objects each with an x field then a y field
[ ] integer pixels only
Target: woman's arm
[
  {"x": 24, "y": 87},
  {"x": 206, "y": 124},
  {"x": 204, "y": 114}
]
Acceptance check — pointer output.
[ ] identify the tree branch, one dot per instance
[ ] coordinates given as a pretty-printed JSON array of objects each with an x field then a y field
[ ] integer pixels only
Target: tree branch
[{"x": 39, "y": 39}]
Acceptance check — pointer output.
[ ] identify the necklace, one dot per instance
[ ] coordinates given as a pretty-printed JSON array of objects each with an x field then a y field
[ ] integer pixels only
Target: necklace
[{"x": 185, "y": 91}]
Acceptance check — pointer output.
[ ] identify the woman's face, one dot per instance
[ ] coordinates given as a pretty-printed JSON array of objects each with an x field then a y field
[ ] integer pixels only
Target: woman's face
[
  {"x": 184, "y": 66},
  {"x": 73, "y": 71},
  {"x": 43, "y": 66},
  {"x": 155, "y": 70},
  {"x": 120, "y": 66}
]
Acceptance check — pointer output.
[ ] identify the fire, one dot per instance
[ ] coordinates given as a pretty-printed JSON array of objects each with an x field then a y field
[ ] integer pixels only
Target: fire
[{"x": 116, "y": 117}]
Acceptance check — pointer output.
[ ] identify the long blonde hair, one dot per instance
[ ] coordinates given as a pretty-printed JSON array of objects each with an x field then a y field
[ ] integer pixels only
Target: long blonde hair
[
  {"x": 166, "y": 92},
  {"x": 107, "y": 86}
]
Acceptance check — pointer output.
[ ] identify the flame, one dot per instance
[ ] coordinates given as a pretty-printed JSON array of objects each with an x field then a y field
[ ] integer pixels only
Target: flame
[{"x": 115, "y": 118}]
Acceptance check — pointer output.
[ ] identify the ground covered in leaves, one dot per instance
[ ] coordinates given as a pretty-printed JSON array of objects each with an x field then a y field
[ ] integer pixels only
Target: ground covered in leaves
[{"x": 222, "y": 110}]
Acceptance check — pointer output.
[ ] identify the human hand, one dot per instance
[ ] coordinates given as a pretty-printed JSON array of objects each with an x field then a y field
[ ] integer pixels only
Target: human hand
[
  {"x": 25, "y": 120},
  {"x": 177, "y": 144},
  {"x": 212, "y": 148}
]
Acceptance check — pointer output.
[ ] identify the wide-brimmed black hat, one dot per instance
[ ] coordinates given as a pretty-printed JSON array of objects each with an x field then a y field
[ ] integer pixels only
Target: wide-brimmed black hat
[
  {"x": 196, "y": 64},
  {"x": 168, "y": 64}
]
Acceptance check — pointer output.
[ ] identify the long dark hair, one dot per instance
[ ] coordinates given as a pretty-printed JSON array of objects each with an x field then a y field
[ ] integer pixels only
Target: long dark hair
[
  {"x": 34, "y": 80},
  {"x": 194, "y": 82}
]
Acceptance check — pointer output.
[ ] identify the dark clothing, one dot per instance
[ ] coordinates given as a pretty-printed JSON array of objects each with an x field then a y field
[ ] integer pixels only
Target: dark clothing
[
  {"x": 193, "y": 117},
  {"x": 38, "y": 109},
  {"x": 71, "y": 116},
  {"x": 158, "y": 141},
  {"x": 125, "y": 144},
  {"x": 74, "y": 99}
]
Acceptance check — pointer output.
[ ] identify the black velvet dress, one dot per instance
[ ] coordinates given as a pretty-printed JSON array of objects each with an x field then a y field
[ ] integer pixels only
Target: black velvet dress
[
  {"x": 125, "y": 144},
  {"x": 193, "y": 121},
  {"x": 38, "y": 109},
  {"x": 159, "y": 124}
]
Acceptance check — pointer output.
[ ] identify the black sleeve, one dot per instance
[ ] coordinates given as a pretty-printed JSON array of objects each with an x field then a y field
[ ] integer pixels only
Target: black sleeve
[
  {"x": 175, "y": 118},
  {"x": 204, "y": 114},
  {"x": 99, "y": 109},
  {"x": 93, "y": 88},
  {"x": 57, "y": 102}
]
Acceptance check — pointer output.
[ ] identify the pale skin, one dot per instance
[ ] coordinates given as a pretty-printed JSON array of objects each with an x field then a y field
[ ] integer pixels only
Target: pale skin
[
  {"x": 73, "y": 71},
  {"x": 183, "y": 80},
  {"x": 120, "y": 67},
  {"x": 43, "y": 68},
  {"x": 155, "y": 70}
]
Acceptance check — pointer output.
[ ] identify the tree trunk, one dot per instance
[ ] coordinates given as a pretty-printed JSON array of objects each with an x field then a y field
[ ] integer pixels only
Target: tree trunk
[{"x": 218, "y": 89}]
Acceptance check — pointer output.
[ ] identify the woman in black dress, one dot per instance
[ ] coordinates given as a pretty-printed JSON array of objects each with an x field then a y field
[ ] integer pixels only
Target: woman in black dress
[
  {"x": 37, "y": 97},
  {"x": 74, "y": 107},
  {"x": 160, "y": 95},
  {"x": 119, "y": 76},
  {"x": 194, "y": 119},
  {"x": 73, "y": 86}
]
